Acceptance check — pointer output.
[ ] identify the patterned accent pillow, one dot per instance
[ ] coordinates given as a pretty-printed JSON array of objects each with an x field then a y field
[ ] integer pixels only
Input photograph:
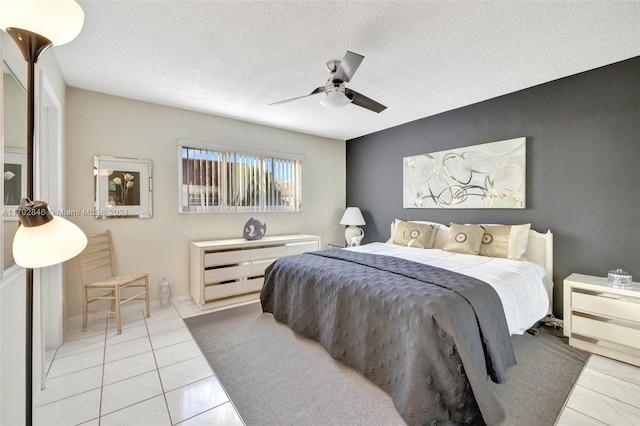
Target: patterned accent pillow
[
  {"x": 508, "y": 241},
  {"x": 412, "y": 234},
  {"x": 495, "y": 241},
  {"x": 464, "y": 239}
]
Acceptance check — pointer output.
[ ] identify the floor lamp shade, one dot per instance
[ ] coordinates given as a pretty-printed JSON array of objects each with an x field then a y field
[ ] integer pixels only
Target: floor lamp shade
[
  {"x": 44, "y": 239},
  {"x": 58, "y": 20}
]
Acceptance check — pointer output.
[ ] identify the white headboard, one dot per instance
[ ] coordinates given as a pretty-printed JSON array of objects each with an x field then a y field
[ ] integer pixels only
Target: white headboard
[{"x": 539, "y": 248}]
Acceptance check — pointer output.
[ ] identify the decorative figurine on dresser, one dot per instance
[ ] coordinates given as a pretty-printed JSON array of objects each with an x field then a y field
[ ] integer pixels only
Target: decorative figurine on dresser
[{"x": 254, "y": 230}]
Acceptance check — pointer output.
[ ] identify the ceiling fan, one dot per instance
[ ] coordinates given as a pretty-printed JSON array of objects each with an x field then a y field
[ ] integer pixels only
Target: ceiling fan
[{"x": 336, "y": 94}]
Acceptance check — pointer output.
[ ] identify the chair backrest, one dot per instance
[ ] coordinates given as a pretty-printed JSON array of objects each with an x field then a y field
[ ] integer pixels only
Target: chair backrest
[{"x": 96, "y": 261}]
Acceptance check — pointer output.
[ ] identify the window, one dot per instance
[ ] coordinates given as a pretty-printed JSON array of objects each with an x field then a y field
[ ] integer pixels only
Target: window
[{"x": 219, "y": 178}]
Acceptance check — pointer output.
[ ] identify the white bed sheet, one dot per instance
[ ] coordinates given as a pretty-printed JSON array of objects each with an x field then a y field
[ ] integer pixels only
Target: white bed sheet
[{"x": 524, "y": 287}]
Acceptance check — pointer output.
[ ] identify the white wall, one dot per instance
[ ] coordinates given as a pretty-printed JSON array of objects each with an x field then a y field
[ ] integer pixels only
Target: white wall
[{"x": 99, "y": 124}]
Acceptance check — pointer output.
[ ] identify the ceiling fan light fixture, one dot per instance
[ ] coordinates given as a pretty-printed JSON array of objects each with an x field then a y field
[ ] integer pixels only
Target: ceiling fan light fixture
[{"x": 335, "y": 97}]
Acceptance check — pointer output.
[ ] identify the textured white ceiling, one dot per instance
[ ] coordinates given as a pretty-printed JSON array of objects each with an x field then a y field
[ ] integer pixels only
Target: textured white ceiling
[{"x": 421, "y": 58}]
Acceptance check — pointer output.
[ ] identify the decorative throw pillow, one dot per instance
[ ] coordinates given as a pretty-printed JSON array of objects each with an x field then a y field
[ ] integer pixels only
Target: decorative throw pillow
[
  {"x": 508, "y": 241},
  {"x": 464, "y": 239},
  {"x": 495, "y": 241},
  {"x": 412, "y": 234}
]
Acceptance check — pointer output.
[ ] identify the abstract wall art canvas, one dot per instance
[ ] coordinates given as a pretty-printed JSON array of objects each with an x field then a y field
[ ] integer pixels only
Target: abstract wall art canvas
[{"x": 486, "y": 176}]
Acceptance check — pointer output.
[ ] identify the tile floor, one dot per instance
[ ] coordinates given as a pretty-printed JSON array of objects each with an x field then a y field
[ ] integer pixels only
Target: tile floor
[
  {"x": 154, "y": 374},
  {"x": 151, "y": 374},
  {"x": 607, "y": 393}
]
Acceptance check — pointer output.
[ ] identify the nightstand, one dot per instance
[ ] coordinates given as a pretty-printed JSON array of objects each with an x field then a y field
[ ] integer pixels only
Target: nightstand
[
  {"x": 337, "y": 245},
  {"x": 602, "y": 319}
]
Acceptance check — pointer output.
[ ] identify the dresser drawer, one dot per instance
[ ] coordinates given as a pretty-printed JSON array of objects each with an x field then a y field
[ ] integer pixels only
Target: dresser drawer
[
  {"x": 301, "y": 247},
  {"x": 266, "y": 253},
  {"x": 609, "y": 305},
  {"x": 228, "y": 257},
  {"x": 612, "y": 331},
  {"x": 234, "y": 272},
  {"x": 221, "y": 291}
]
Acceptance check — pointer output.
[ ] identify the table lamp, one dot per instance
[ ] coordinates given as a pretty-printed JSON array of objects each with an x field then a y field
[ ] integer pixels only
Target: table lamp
[{"x": 353, "y": 217}]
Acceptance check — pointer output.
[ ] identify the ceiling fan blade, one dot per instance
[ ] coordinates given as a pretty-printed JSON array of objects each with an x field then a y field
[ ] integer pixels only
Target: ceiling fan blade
[
  {"x": 348, "y": 66},
  {"x": 315, "y": 92},
  {"x": 363, "y": 101}
]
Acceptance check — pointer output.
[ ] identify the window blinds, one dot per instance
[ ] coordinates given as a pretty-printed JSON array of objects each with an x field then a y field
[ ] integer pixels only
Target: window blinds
[{"x": 218, "y": 180}]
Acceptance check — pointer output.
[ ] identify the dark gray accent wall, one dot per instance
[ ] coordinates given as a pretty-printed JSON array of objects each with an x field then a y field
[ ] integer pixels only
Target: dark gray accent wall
[{"x": 583, "y": 167}]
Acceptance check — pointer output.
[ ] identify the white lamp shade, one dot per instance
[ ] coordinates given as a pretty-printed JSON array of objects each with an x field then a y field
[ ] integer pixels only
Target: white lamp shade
[
  {"x": 352, "y": 216},
  {"x": 58, "y": 20},
  {"x": 48, "y": 244}
]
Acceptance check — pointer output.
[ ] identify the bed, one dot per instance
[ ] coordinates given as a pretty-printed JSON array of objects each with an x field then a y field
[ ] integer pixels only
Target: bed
[{"x": 428, "y": 326}]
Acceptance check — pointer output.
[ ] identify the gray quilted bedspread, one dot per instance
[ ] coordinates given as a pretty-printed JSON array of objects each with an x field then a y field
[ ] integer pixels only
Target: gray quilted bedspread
[{"x": 429, "y": 337}]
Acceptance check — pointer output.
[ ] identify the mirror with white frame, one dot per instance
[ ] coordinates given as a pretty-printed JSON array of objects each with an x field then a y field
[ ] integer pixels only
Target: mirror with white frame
[{"x": 14, "y": 127}]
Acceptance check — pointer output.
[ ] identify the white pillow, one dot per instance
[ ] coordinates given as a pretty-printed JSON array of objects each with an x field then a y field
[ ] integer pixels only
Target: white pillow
[{"x": 518, "y": 241}]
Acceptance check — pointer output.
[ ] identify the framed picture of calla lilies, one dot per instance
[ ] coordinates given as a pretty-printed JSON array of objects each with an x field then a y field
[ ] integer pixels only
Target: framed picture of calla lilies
[
  {"x": 123, "y": 187},
  {"x": 486, "y": 176}
]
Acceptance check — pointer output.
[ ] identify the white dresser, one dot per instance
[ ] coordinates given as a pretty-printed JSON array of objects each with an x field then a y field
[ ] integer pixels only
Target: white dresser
[
  {"x": 225, "y": 272},
  {"x": 602, "y": 319}
]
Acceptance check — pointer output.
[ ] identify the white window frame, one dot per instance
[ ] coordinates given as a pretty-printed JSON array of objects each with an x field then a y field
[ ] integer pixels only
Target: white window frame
[{"x": 230, "y": 151}]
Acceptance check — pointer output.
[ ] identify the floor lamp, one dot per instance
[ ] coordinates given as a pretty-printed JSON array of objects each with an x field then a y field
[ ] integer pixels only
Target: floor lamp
[{"x": 42, "y": 239}]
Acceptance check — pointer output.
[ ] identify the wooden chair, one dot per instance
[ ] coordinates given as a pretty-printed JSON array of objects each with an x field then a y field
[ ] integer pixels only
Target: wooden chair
[{"x": 97, "y": 271}]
